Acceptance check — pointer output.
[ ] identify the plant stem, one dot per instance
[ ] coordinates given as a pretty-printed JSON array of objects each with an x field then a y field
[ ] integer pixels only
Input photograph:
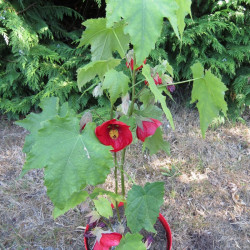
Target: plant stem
[
  {"x": 122, "y": 172},
  {"x": 107, "y": 223},
  {"x": 111, "y": 111},
  {"x": 118, "y": 213},
  {"x": 131, "y": 108},
  {"x": 176, "y": 83},
  {"x": 116, "y": 181},
  {"x": 128, "y": 176},
  {"x": 137, "y": 83},
  {"x": 138, "y": 94},
  {"x": 116, "y": 187}
]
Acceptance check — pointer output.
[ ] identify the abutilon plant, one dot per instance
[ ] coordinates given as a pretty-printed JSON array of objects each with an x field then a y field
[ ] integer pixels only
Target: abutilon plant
[{"x": 92, "y": 146}]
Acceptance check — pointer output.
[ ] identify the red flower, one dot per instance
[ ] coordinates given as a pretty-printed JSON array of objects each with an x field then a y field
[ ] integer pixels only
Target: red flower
[
  {"x": 157, "y": 80},
  {"x": 114, "y": 133},
  {"x": 107, "y": 241},
  {"x": 131, "y": 64},
  {"x": 149, "y": 128}
]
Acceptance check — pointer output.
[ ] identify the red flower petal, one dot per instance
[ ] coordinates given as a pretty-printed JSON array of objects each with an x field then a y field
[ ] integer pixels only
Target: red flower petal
[
  {"x": 110, "y": 240},
  {"x": 99, "y": 246},
  {"x": 114, "y": 133},
  {"x": 148, "y": 129},
  {"x": 107, "y": 241},
  {"x": 157, "y": 79},
  {"x": 130, "y": 64},
  {"x": 119, "y": 205}
]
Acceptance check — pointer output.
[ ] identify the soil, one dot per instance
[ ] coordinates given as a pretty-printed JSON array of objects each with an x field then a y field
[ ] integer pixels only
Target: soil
[{"x": 207, "y": 191}]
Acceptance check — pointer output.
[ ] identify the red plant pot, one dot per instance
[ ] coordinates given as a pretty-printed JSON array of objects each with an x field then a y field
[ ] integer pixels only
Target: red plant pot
[{"x": 160, "y": 218}]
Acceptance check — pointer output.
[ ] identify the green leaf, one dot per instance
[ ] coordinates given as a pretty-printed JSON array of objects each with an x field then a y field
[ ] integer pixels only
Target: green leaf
[
  {"x": 163, "y": 67},
  {"x": 183, "y": 10},
  {"x": 116, "y": 83},
  {"x": 143, "y": 206},
  {"x": 89, "y": 71},
  {"x": 33, "y": 122},
  {"x": 146, "y": 97},
  {"x": 71, "y": 160},
  {"x": 151, "y": 111},
  {"x": 209, "y": 91},
  {"x": 113, "y": 196},
  {"x": 144, "y": 21},
  {"x": 157, "y": 93},
  {"x": 103, "y": 207},
  {"x": 104, "y": 40},
  {"x": 155, "y": 143},
  {"x": 131, "y": 242},
  {"x": 75, "y": 199}
]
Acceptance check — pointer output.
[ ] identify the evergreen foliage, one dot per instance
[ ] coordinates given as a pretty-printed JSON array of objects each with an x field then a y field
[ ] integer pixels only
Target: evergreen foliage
[
  {"x": 218, "y": 36},
  {"x": 38, "y": 58}
]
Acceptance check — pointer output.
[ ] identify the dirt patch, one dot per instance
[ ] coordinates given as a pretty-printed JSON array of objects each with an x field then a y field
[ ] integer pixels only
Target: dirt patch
[{"x": 206, "y": 189}]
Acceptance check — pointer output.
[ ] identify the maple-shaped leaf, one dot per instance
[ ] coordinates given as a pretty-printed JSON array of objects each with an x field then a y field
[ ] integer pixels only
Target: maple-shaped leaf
[
  {"x": 33, "y": 122},
  {"x": 116, "y": 83},
  {"x": 144, "y": 21},
  {"x": 131, "y": 242},
  {"x": 90, "y": 70},
  {"x": 104, "y": 40},
  {"x": 155, "y": 143},
  {"x": 103, "y": 207},
  {"x": 75, "y": 199},
  {"x": 143, "y": 204},
  {"x": 157, "y": 94},
  {"x": 209, "y": 92},
  {"x": 71, "y": 160},
  {"x": 146, "y": 98},
  {"x": 182, "y": 11},
  {"x": 151, "y": 111},
  {"x": 111, "y": 195}
]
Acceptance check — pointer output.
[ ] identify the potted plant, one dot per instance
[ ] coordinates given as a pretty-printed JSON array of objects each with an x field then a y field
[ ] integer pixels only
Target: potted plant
[{"x": 78, "y": 151}]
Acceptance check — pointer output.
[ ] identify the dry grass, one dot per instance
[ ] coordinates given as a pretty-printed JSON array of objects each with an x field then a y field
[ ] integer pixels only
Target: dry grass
[{"x": 206, "y": 201}]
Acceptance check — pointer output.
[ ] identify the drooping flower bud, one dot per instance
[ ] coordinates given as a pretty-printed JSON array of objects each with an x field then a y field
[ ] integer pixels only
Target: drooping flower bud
[
  {"x": 147, "y": 129},
  {"x": 97, "y": 92},
  {"x": 87, "y": 117}
]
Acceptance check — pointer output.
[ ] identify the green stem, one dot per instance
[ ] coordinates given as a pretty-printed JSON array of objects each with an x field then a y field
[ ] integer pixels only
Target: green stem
[
  {"x": 107, "y": 223},
  {"x": 176, "y": 83},
  {"x": 111, "y": 111},
  {"x": 137, "y": 83},
  {"x": 138, "y": 94},
  {"x": 122, "y": 172},
  {"x": 131, "y": 108},
  {"x": 116, "y": 181},
  {"x": 118, "y": 213}
]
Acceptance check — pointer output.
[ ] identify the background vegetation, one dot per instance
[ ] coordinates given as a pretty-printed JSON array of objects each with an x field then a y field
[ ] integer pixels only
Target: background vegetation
[{"x": 39, "y": 55}]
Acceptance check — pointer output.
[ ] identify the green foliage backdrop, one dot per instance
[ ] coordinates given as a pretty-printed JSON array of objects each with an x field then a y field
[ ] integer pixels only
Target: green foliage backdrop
[
  {"x": 218, "y": 35},
  {"x": 39, "y": 55}
]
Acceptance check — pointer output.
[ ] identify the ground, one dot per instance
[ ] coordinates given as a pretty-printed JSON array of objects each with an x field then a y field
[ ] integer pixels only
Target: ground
[{"x": 206, "y": 189}]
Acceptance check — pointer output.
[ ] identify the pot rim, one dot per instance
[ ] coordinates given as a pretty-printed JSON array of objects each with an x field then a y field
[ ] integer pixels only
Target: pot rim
[{"x": 161, "y": 218}]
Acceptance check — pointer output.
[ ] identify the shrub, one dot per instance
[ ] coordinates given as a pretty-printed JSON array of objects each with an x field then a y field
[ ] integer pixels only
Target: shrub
[
  {"x": 219, "y": 36},
  {"x": 39, "y": 57}
]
